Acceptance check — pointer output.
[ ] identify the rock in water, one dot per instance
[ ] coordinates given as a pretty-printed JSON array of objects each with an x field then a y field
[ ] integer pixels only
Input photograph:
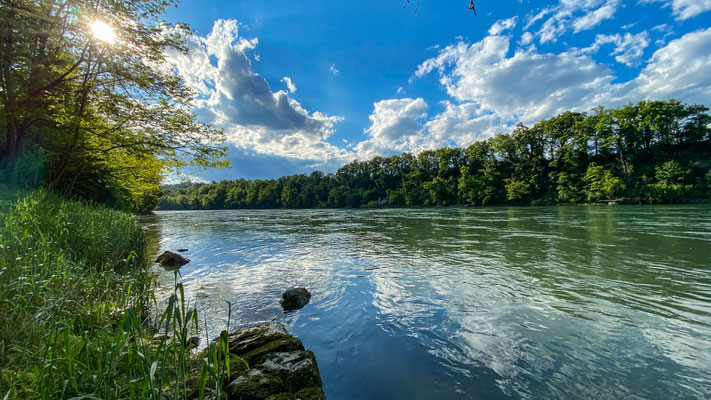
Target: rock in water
[
  {"x": 279, "y": 367},
  {"x": 170, "y": 260},
  {"x": 294, "y": 299}
]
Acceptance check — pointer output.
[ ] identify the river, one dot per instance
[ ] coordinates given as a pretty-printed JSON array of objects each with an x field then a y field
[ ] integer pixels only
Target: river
[{"x": 467, "y": 303}]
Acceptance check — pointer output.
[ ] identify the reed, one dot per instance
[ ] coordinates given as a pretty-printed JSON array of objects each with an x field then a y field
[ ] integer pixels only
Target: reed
[{"x": 78, "y": 316}]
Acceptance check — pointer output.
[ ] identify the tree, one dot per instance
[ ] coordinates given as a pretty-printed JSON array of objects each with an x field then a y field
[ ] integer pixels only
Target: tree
[
  {"x": 645, "y": 152},
  {"x": 601, "y": 184},
  {"x": 96, "y": 111},
  {"x": 671, "y": 186}
]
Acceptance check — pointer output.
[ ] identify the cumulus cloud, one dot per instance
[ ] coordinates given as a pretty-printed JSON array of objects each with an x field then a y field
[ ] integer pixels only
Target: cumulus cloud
[
  {"x": 526, "y": 39},
  {"x": 628, "y": 50},
  {"x": 492, "y": 90},
  {"x": 232, "y": 96},
  {"x": 684, "y": 9},
  {"x": 595, "y": 17},
  {"x": 395, "y": 127},
  {"x": 492, "y": 85},
  {"x": 289, "y": 84},
  {"x": 579, "y": 14},
  {"x": 461, "y": 125},
  {"x": 681, "y": 69},
  {"x": 503, "y": 26},
  {"x": 527, "y": 86}
]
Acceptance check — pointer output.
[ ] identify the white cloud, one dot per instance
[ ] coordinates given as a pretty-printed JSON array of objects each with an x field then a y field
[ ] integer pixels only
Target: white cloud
[
  {"x": 681, "y": 69},
  {"x": 395, "y": 127},
  {"x": 490, "y": 88},
  {"x": 526, "y": 39},
  {"x": 664, "y": 29},
  {"x": 503, "y": 25},
  {"x": 629, "y": 48},
  {"x": 527, "y": 86},
  {"x": 684, "y": 9},
  {"x": 537, "y": 17},
  {"x": 289, "y": 84},
  {"x": 240, "y": 101},
  {"x": 494, "y": 91},
  {"x": 595, "y": 17},
  {"x": 580, "y": 14},
  {"x": 334, "y": 70},
  {"x": 462, "y": 125}
]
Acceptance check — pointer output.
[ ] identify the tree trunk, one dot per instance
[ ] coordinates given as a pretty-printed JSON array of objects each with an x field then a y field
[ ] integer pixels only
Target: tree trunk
[{"x": 9, "y": 99}]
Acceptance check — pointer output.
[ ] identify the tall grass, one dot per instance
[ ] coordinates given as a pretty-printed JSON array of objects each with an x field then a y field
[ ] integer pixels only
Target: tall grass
[{"x": 75, "y": 294}]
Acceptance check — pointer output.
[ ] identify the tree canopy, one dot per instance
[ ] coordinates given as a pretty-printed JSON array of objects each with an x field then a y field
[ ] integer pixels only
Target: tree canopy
[
  {"x": 650, "y": 152},
  {"x": 90, "y": 115}
]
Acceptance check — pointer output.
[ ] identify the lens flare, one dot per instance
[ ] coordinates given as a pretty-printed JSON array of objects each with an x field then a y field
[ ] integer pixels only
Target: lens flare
[{"x": 103, "y": 32}]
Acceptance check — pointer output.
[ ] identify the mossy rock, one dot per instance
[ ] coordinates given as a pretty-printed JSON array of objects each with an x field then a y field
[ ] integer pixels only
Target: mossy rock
[
  {"x": 283, "y": 374},
  {"x": 280, "y": 368},
  {"x": 171, "y": 261},
  {"x": 284, "y": 344},
  {"x": 254, "y": 386},
  {"x": 246, "y": 340},
  {"x": 312, "y": 393}
]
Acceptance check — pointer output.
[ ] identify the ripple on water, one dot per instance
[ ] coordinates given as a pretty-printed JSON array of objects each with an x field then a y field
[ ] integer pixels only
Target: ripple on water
[{"x": 551, "y": 302}]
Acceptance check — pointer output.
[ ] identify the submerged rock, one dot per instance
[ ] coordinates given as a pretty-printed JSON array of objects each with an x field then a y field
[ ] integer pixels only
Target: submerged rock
[
  {"x": 170, "y": 260},
  {"x": 279, "y": 366},
  {"x": 294, "y": 299}
]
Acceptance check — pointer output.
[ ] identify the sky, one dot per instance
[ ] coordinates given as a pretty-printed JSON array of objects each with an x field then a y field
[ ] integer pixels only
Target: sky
[{"x": 312, "y": 85}]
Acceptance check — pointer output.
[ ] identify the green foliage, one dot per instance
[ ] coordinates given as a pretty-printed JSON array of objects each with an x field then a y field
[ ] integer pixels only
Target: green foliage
[
  {"x": 670, "y": 185},
  {"x": 75, "y": 293},
  {"x": 95, "y": 120},
  {"x": 651, "y": 152},
  {"x": 600, "y": 184}
]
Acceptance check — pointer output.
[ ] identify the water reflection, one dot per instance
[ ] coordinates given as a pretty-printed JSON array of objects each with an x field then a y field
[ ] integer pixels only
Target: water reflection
[{"x": 553, "y": 302}]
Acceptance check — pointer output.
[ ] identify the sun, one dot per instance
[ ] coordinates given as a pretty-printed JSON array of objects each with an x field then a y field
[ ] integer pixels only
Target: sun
[{"x": 103, "y": 31}]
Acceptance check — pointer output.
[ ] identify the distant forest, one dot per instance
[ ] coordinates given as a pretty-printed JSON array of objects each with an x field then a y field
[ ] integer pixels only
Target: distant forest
[{"x": 647, "y": 153}]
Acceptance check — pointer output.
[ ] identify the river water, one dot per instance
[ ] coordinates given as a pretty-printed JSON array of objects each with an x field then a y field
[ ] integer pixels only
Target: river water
[{"x": 549, "y": 302}]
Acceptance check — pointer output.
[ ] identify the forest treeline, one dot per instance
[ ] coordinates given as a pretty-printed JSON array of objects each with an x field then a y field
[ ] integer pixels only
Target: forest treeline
[{"x": 649, "y": 152}]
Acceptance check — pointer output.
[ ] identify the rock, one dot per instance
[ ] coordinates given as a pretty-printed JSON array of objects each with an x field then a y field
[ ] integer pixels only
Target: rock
[
  {"x": 294, "y": 299},
  {"x": 160, "y": 337},
  {"x": 193, "y": 342},
  {"x": 280, "y": 368},
  {"x": 287, "y": 375},
  {"x": 254, "y": 343},
  {"x": 170, "y": 260}
]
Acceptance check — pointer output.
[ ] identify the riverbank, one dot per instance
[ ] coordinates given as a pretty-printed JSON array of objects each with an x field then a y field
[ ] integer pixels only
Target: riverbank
[
  {"x": 74, "y": 290},
  {"x": 76, "y": 293}
]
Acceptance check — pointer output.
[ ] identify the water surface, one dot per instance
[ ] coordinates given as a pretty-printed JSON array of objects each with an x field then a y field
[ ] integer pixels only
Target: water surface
[{"x": 559, "y": 302}]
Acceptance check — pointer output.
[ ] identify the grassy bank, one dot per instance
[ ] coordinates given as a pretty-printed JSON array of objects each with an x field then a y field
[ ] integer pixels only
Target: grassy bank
[{"x": 75, "y": 293}]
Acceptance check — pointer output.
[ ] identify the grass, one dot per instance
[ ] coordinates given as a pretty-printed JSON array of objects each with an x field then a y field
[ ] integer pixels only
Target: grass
[
  {"x": 9, "y": 195},
  {"x": 75, "y": 296}
]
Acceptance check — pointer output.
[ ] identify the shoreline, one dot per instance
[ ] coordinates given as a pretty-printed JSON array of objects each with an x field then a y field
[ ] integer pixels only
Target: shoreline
[{"x": 76, "y": 288}]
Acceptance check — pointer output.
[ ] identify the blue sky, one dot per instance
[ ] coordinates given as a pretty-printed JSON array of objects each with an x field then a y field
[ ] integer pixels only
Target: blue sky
[{"x": 306, "y": 85}]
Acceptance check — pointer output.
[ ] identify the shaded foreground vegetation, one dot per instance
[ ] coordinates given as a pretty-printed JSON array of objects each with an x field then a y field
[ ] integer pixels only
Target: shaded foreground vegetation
[
  {"x": 651, "y": 152},
  {"x": 76, "y": 293}
]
